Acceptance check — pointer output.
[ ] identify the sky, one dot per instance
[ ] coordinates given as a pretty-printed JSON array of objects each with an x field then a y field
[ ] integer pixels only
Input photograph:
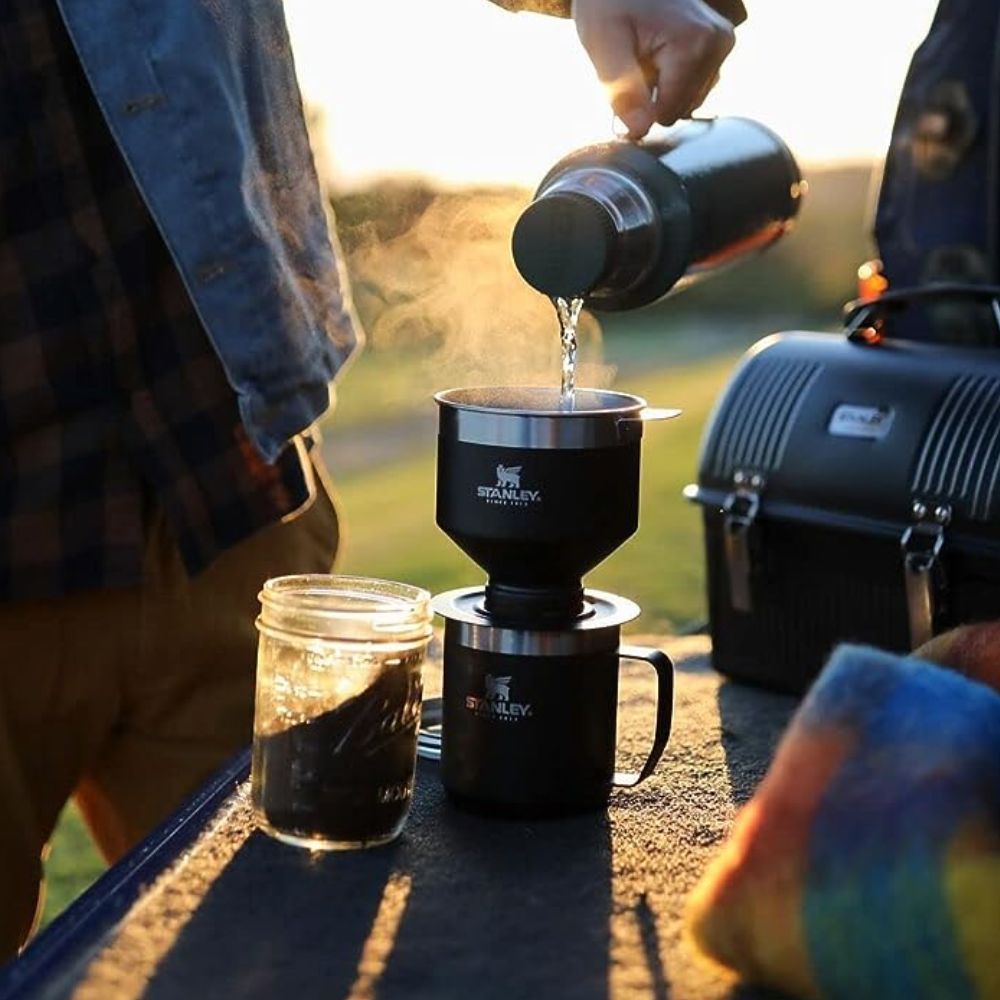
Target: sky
[{"x": 463, "y": 92}]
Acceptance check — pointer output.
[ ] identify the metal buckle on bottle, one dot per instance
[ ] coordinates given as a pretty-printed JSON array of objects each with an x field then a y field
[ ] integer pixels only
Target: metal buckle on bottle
[
  {"x": 741, "y": 508},
  {"x": 922, "y": 544}
]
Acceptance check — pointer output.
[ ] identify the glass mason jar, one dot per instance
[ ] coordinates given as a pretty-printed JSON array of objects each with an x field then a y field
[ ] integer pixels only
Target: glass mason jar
[{"x": 338, "y": 708}]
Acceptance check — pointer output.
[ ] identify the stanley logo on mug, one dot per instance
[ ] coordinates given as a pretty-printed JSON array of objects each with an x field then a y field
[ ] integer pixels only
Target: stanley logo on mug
[{"x": 496, "y": 703}]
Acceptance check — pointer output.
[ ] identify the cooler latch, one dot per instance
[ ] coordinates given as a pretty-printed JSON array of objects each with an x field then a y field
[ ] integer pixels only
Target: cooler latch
[
  {"x": 922, "y": 543},
  {"x": 741, "y": 508}
]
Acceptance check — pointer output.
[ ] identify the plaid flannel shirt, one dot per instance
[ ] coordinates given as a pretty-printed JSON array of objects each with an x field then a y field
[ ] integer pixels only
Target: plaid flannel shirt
[{"x": 111, "y": 397}]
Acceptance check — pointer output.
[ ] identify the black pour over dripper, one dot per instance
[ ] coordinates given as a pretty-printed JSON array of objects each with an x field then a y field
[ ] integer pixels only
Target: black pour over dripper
[{"x": 538, "y": 495}]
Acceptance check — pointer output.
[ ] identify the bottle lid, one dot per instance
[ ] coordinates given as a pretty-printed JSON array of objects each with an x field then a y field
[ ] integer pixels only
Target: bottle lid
[{"x": 563, "y": 244}]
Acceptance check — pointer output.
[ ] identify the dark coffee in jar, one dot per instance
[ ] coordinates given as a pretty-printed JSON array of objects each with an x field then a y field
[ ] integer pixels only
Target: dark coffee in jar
[{"x": 346, "y": 775}]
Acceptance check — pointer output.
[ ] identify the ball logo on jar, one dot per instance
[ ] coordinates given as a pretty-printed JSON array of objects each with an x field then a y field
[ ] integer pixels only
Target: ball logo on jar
[
  {"x": 507, "y": 491},
  {"x": 388, "y": 794}
]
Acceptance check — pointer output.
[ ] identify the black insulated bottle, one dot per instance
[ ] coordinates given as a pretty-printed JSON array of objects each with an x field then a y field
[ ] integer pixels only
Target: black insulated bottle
[{"x": 620, "y": 224}]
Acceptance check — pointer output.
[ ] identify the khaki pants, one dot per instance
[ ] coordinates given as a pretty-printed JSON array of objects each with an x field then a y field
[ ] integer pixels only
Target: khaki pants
[{"x": 131, "y": 699}]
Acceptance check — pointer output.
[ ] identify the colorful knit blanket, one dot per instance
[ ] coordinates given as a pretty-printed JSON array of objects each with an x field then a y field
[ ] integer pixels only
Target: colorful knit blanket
[{"x": 868, "y": 862}]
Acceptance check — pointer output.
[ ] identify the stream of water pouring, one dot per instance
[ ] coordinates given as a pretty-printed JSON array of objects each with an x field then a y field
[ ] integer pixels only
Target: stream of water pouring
[{"x": 568, "y": 311}]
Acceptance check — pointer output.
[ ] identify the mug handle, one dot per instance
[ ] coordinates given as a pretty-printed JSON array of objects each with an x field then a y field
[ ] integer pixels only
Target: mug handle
[{"x": 660, "y": 662}]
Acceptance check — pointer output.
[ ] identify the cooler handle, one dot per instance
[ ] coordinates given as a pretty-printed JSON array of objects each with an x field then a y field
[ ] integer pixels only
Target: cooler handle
[{"x": 660, "y": 662}]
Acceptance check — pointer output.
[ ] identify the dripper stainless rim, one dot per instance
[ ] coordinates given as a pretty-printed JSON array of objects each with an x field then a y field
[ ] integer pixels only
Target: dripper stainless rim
[
  {"x": 477, "y": 399},
  {"x": 467, "y": 416}
]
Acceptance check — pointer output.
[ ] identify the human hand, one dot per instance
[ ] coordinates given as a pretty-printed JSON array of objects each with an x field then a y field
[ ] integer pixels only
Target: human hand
[{"x": 674, "y": 46}]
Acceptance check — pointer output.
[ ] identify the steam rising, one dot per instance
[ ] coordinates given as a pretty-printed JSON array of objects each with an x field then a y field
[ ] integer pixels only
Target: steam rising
[{"x": 436, "y": 279}]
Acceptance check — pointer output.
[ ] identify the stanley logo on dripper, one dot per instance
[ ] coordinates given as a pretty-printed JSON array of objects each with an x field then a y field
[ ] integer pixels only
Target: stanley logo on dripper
[
  {"x": 509, "y": 477},
  {"x": 507, "y": 492}
]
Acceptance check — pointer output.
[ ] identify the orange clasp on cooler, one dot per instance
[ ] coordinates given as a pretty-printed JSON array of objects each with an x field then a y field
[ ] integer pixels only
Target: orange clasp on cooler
[{"x": 872, "y": 285}]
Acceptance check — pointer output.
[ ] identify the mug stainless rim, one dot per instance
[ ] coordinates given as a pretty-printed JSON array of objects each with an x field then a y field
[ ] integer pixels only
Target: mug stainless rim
[
  {"x": 530, "y": 417},
  {"x": 596, "y": 631}
]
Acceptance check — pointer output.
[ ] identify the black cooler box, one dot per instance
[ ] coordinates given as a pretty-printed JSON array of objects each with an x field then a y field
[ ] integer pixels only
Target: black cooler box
[{"x": 850, "y": 493}]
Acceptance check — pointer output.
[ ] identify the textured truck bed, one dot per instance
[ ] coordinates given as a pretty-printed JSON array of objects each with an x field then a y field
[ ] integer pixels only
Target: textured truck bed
[{"x": 462, "y": 907}]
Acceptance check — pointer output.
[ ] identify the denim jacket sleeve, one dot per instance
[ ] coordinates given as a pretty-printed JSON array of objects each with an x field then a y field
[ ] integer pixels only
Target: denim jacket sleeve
[{"x": 203, "y": 103}]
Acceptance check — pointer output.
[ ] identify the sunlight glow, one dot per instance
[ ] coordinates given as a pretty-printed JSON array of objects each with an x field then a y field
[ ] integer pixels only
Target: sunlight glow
[
  {"x": 381, "y": 937},
  {"x": 464, "y": 92}
]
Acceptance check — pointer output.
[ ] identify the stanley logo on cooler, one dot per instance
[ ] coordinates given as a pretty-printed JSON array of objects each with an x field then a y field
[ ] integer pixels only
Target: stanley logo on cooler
[
  {"x": 871, "y": 422},
  {"x": 496, "y": 703},
  {"x": 507, "y": 492}
]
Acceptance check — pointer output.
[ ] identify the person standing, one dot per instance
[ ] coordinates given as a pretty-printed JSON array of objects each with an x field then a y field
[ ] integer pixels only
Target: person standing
[{"x": 938, "y": 216}]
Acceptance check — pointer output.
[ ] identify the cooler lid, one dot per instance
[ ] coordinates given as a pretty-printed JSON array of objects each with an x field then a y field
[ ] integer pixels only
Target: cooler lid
[{"x": 819, "y": 428}]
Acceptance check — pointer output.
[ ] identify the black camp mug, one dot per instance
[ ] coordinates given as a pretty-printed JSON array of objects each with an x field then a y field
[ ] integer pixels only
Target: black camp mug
[{"x": 529, "y": 722}]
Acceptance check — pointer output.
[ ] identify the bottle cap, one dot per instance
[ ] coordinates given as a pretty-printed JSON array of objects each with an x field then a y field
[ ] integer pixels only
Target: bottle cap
[{"x": 563, "y": 244}]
